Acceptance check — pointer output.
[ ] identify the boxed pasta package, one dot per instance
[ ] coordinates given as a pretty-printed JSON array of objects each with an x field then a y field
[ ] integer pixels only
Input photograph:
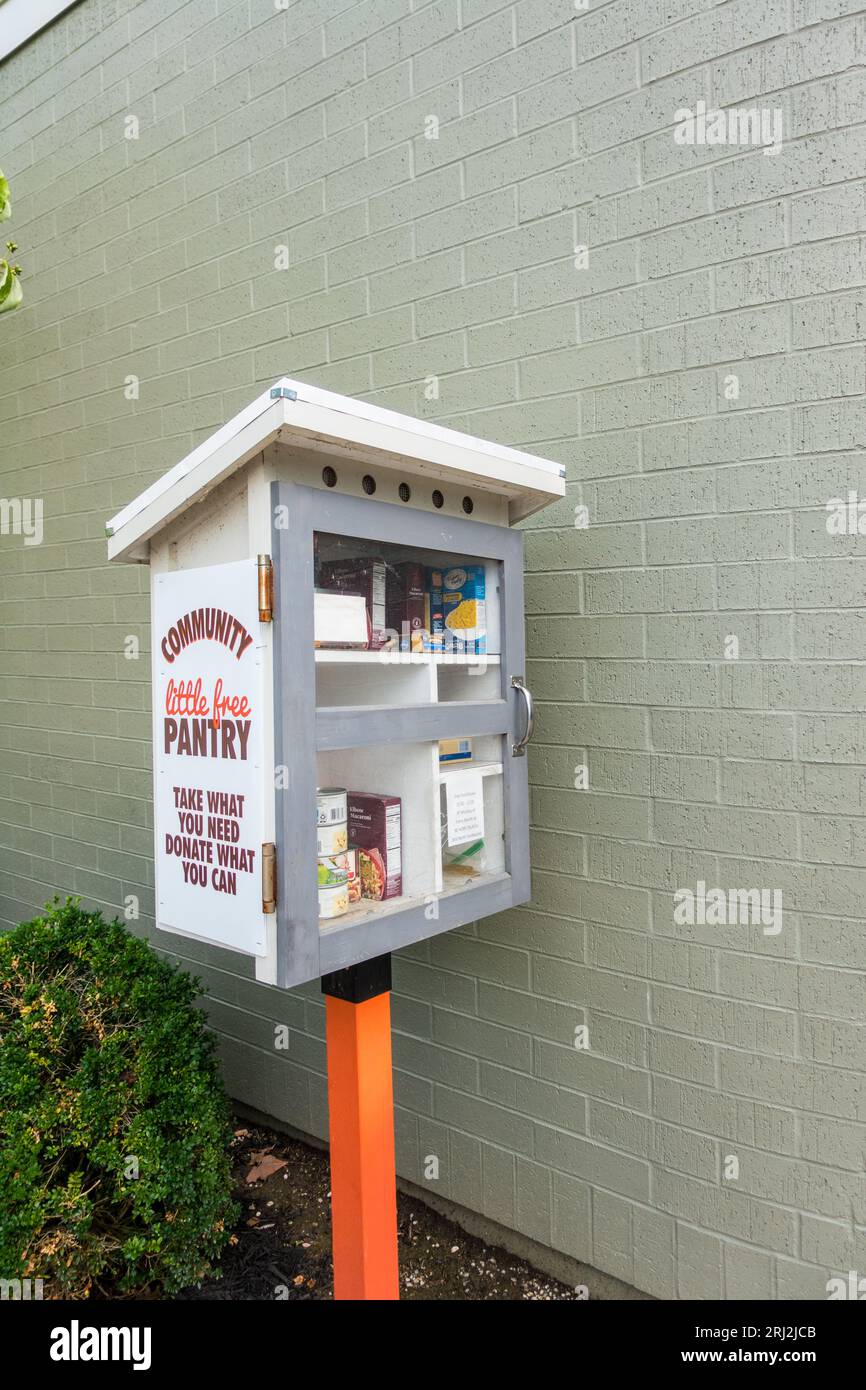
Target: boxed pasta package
[
  {"x": 464, "y": 610},
  {"x": 433, "y": 617},
  {"x": 365, "y": 577},
  {"x": 375, "y": 830},
  {"x": 405, "y": 608}
]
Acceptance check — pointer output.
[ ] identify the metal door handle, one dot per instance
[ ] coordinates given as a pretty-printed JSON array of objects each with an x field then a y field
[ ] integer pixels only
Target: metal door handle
[{"x": 518, "y": 750}]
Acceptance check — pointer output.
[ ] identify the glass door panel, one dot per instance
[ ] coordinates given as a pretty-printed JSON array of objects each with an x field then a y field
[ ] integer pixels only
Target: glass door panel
[
  {"x": 390, "y": 616},
  {"x": 398, "y": 637}
]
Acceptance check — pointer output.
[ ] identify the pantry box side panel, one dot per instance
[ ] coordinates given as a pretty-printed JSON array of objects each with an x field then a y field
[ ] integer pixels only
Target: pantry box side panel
[{"x": 214, "y": 531}]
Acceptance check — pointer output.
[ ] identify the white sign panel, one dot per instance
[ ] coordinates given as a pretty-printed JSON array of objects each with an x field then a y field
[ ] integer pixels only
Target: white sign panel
[
  {"x": 464, "y": 805},
  {"x": 208, "y": 713}
]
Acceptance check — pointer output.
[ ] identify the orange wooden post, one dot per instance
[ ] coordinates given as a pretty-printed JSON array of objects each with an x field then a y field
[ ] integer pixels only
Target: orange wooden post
[{"x": 361, "y": 1109}]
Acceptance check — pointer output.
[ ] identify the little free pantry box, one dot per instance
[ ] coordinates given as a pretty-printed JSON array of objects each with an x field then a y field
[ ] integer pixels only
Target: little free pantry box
[{"x": 337, "y": 607}]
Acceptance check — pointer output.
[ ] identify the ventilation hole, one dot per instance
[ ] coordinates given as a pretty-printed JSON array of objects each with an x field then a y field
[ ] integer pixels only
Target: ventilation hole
[
  {"x": 405, "y": 492},
  {"x": 468, "y": 505},
  {"x": 438, "y": 499},
  {"x": 329, "y": 477},
  {"x": 368, "y": 483}
]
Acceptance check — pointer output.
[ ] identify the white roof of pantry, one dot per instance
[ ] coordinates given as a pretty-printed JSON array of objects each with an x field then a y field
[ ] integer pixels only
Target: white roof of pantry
[{"x": 295, "y": 413}]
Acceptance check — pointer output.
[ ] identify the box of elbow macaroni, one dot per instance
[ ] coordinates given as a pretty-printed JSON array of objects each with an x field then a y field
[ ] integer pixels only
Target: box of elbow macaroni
[{"x": 464, "y": 610}]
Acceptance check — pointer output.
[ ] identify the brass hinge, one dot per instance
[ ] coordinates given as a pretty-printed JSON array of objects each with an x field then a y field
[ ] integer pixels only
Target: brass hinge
[
  {"x": 266, "y": 589},
  {"x": 269, "y": 878}
]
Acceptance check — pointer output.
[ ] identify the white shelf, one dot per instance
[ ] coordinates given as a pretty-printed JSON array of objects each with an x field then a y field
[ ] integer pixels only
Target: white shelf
[
  {"x": 327, "y": 657},
  {"x": 455, "y": 879},
  {"x": 486, "y": 769}
]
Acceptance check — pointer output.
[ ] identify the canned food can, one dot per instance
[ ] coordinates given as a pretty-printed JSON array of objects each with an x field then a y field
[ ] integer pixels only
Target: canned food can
[
  {"x": 333, "y": 900},
  {"x": 333, "y": 868},
  {"x": 331, "y": 839},
  {"x": 331, "y": 807}
]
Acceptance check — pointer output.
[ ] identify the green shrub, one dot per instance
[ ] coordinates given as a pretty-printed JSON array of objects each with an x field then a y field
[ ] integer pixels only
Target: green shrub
[{"x": 105, "y": 1069}]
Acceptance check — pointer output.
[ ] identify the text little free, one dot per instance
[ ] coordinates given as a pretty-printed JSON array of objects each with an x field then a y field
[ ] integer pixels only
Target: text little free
[{"x": 186, "y": 697}]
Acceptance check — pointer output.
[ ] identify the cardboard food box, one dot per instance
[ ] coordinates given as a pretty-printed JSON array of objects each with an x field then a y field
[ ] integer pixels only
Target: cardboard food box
[
  {"x": 433, "y": 615},
  {"x": 365, "y": 577},
  {"x": 455, "y": 750},
  {"x": 464, "y": 609},
  {"x": 405, "y": 607},
  {"x": 375, "y": 830}
]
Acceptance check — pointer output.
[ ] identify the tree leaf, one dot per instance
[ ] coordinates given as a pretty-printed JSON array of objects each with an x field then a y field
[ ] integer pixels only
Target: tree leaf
[
  {"x": 11, "y": 293},
  {"x": 5, "y": 199},
  {"x": 268, "y": 1165}
]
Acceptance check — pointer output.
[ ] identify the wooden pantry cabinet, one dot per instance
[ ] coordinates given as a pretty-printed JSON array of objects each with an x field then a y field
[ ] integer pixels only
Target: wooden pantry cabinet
[{"x": 267, "y": 687}]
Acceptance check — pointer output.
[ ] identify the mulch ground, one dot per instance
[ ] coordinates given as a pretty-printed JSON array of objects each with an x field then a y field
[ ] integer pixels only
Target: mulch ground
[{"x": 282, "y": 1245}]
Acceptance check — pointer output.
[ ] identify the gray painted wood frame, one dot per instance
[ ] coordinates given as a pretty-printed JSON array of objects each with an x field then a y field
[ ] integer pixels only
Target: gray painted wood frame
[
  {"x": 356, "y": 726},
  {"x": 304, "y": 951},
  {"x": 294, "y": 745}
]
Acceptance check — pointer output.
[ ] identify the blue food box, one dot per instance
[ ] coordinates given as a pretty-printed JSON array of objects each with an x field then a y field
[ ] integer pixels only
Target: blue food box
[
  {"x": 455, "y": 750},
  {"x": 464, "y": 609}
]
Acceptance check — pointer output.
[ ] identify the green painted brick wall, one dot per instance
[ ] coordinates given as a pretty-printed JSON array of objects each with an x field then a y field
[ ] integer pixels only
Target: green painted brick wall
[{"x": 700, "y": 372}]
